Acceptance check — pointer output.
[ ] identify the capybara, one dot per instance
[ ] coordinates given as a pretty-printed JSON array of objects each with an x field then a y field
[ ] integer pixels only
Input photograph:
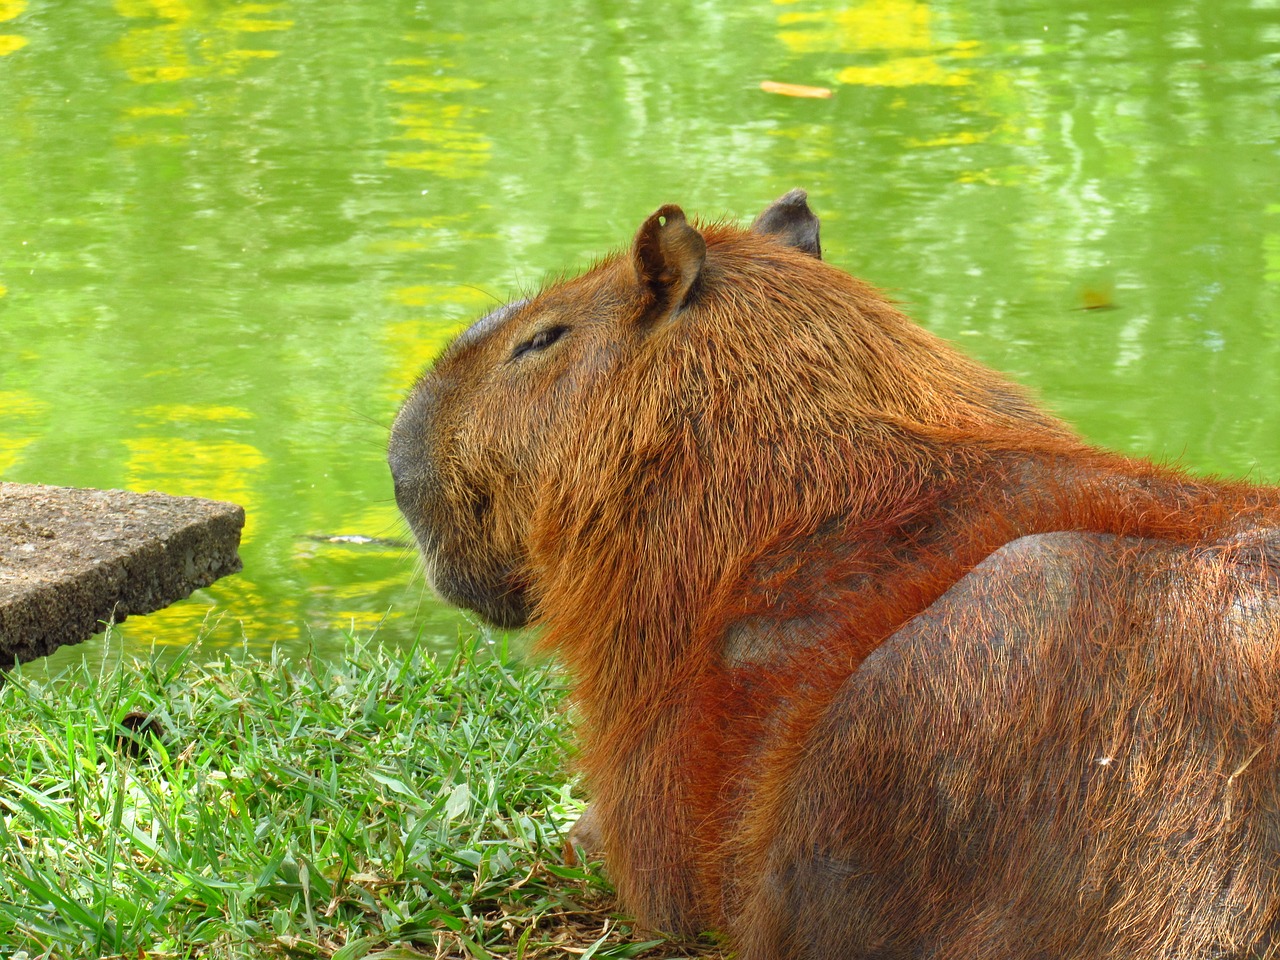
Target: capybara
[{"x": 872, "y": 656}]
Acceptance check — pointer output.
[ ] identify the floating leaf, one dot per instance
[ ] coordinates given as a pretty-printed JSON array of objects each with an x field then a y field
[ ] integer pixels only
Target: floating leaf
[{"x": 795, "y": 90}]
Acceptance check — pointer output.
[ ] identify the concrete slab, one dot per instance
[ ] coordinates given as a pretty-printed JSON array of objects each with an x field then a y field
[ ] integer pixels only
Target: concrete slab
[{"x": 73, "y": 559}]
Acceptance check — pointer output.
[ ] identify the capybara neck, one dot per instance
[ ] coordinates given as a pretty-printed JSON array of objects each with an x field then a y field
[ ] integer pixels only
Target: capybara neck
[{"x": 867, "y": 513}]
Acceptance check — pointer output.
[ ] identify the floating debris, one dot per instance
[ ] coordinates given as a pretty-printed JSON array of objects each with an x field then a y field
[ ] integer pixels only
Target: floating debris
[{"x": 795, "y": 90}]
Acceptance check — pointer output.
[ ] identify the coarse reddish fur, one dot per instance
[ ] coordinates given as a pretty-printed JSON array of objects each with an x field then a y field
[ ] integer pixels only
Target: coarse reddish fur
[{"x": 872, "y": 656}]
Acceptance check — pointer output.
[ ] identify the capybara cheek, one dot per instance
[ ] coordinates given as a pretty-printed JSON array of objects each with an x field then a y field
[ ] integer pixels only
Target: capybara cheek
[{"x": 464, "y": 565}]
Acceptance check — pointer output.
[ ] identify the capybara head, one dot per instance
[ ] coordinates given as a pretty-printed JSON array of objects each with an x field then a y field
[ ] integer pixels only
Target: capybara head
[{"x": 739, "y": 345}]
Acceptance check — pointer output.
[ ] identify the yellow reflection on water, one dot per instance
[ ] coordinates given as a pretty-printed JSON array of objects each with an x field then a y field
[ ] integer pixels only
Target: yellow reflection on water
[
  {"x": 454, "y": 148},
  {"x": 11, "y": 451},
  {"x": 441, "y": 294},
  {"x": 166, "y": 9},
  {"x": 427, "y": 84},
  {"x": 20, "y": 405},
  {"x": 381, "y": 520},
  {"x": 357, "y": 569},
  {"x": 20, "y": 425},
  {"x": 875, "y": 25},
  {"x": 905, "y": 72},
  {"x": 154, "y": 139},
  {"x": 900, "y": 45},
  {"x": 241, "y": 19},
  {"x": 414, "y": 343},
  {"x": 177, "y": 625},
  {"x": 900, "y": 28},
  {"x": 173, "y": 412},
  {"x": 345, "y": 594},
  {"x": 193, "y": 42},
  {"x": 250, "y": 622},
  {"x": 963, "y": 138},
  {"x": 9, "y": 42},
  {"x": 445, "y": 131},
  {"x": 177, "y": 109},
  {"x": 217, "y": 469}
]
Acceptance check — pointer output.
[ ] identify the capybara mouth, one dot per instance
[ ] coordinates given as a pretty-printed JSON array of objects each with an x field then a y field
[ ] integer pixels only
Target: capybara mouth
[
  {"x": 500, "y": 599},
  {"x": 498, "y": 596}
]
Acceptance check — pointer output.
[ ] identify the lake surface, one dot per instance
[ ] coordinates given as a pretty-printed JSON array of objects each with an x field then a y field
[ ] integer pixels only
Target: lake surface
[{"x": 231, "y": 234}]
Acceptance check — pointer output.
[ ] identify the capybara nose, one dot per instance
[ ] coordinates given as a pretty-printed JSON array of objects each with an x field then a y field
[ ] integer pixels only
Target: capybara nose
[
  {"x": 407, "y": 454},
  {"x": 401, "y": 463},
  {"x": 403, "y": 482},
  {"x": 400, "y": 459},
  {"x": 412, "y": 476}
]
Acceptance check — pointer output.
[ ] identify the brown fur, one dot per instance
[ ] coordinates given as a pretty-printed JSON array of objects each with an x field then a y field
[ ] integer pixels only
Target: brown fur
[{"x": 873, "y": 657}]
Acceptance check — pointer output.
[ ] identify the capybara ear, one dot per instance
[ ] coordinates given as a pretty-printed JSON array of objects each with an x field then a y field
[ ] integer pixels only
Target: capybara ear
[
  {"x": 790, "y": 220},
  {"x": 668, "y": 256}
]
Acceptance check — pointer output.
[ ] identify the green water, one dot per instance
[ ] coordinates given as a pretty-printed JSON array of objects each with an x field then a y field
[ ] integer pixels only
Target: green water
[{"x": 231, "y": 234}]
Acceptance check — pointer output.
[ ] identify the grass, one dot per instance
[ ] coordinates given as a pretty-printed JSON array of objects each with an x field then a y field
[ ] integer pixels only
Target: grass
[{"x": 380, "y": 807}]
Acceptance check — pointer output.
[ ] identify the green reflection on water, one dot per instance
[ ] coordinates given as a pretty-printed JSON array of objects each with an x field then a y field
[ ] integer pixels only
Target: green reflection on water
[{"x": 231, "y": 234}]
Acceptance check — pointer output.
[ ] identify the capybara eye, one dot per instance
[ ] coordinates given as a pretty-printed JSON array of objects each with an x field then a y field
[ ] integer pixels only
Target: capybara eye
[{"x": 539, "y": 341}]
